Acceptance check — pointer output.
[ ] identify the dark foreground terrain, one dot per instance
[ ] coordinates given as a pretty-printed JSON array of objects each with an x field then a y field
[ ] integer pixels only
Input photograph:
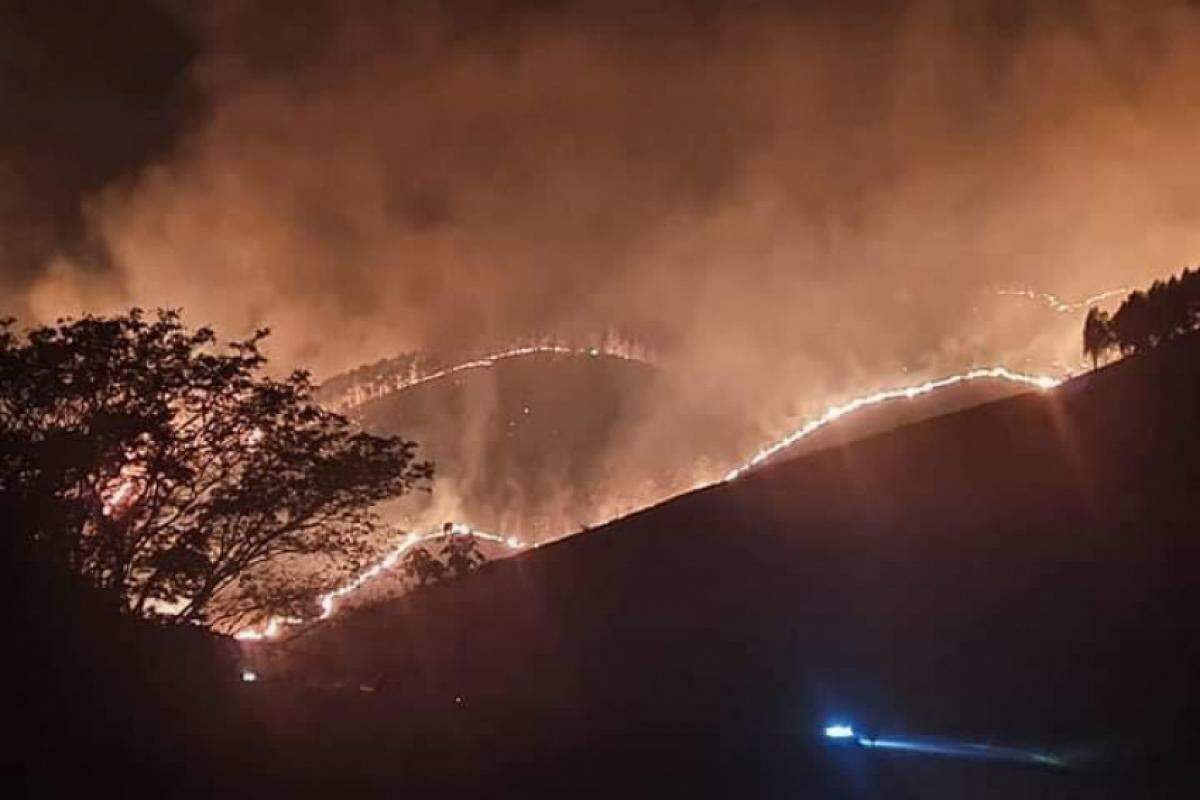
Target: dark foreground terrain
[{"x": 1022, "y": 573}]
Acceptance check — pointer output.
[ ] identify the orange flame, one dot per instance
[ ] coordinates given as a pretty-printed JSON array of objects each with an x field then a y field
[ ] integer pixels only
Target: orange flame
[
  {"x": 836, "y": 412},
  {"x": 831, "y": 414},
  {"x": 612, "y": 347},
  {"x": 328, "y": 601}
]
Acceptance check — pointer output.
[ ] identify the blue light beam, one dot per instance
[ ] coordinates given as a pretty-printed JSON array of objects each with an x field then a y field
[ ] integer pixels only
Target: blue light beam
[{"x": 973, "y": 751}]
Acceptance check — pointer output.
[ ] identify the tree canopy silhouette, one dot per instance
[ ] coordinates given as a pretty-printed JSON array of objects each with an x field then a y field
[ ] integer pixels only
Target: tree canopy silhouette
[
  {"x": 1097, "y": 335},
  {"x": 460, "y": 554},
  {"x": 1167, "y": 310},
  {"x": 176, "y": 477},
  {"x": 421, "y": 567}
]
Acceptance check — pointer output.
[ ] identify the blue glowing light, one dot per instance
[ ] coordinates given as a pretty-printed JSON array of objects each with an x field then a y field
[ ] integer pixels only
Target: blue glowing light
[
  {"x": 845, "y": 735},
  {"x": 839, "y": 732}
]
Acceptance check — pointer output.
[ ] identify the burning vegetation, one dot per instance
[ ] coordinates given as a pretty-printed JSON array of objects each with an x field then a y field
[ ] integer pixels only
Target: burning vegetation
[{"x": 186, "y": 485}]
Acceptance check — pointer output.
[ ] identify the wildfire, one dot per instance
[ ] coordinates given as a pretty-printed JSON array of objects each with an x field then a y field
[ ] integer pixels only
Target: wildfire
[
  {"x": 836, "y": 412},
  {"x": 328, "y": 601},
  {"x": 1057, "y": 303},
  {"x": 610, "y": 347},
  {"x": 126, "y": 487}
]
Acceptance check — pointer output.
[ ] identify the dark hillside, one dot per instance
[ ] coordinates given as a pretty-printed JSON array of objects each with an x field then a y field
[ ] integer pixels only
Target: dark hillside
[
  {"x": 1022, "y": 571},
  {"x": 101, "y": 702}
]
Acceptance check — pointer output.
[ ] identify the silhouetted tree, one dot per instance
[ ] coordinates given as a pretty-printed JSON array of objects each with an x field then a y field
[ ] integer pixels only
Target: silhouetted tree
[
  {"x": 1097, "y": 335},
  {"x": 461, "y": 552},
  {"x": 173, "y": 475},
  {"x": 1131, "y": 324},
  {"x": 1167, "y": 310},
  {"x": 420, "y": 567}
]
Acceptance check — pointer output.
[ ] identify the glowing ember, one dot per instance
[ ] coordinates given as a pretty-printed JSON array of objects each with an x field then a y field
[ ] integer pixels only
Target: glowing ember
[
  {"x": 120, "y": 498},
  {"x": 1057, "y": 303},
  {"x": 119, "y": 495},
  {"x": 834, "y": 413}
]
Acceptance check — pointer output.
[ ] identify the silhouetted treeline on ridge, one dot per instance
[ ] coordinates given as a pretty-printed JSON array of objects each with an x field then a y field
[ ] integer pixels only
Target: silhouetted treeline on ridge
[{"x": 1168, "y": 310}]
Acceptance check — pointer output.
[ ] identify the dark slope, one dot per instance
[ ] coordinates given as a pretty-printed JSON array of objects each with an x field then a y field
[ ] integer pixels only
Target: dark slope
[
  {"x": 1022, "y": 570},
  {"x": 97, "y": 701}
]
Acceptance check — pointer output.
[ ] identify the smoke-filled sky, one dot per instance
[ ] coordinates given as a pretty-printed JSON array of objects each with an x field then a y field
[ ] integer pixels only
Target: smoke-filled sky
[{"x": 785, "y": 194}]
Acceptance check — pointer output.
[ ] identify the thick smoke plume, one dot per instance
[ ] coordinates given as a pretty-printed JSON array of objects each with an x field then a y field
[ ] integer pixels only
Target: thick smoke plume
[
  {"x": 771, "y": 195},
  {"x": 787, "y": 205}
]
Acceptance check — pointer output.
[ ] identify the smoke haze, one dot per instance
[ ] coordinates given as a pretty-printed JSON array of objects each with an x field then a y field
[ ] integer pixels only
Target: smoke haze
[{"x": 784, "y": 204}]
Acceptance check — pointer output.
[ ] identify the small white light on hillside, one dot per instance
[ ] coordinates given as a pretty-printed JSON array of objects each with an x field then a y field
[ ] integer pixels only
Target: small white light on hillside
[{"x": 839, "y": 731}]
